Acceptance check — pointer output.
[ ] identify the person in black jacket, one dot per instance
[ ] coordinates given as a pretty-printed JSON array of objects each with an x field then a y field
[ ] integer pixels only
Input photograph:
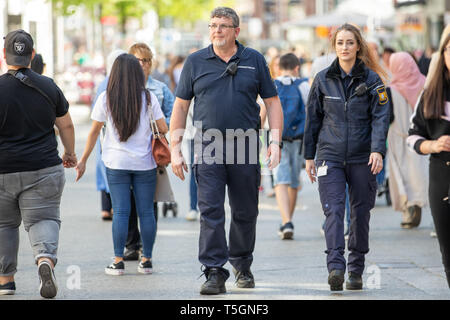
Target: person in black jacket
[
  {"x": 346, "y": 128},
  {"x": 430, "y": 134}
]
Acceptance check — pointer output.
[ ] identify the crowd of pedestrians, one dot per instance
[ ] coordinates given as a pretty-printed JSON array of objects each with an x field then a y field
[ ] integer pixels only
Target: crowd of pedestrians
[{"x": 356, "y": 113}]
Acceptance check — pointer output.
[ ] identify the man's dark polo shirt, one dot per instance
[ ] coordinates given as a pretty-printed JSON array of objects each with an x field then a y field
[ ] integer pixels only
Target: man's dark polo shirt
[{"x": 223, "y": 101}]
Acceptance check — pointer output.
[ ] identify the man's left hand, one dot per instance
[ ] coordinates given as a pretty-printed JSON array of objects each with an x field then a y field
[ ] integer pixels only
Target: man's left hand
[{"x": 273, "y": 155}]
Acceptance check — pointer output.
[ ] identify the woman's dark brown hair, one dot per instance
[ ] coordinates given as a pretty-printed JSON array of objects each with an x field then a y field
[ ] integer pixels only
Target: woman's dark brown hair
[
  {"x": 176, "y": 61},
  {"x": 434, "y": 95},
  {"x": 124, "y": 94},
  {"x": 363, "y": 53}
]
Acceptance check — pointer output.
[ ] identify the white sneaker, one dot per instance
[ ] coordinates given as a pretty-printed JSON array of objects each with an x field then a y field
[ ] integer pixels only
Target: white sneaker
[{"x": 192, "y": 215}]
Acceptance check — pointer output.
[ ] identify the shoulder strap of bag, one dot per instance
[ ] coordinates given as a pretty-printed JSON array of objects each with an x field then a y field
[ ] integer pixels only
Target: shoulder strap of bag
[
  {"x": 27, "y": 81},
  {"x": 153, "y": 125}
]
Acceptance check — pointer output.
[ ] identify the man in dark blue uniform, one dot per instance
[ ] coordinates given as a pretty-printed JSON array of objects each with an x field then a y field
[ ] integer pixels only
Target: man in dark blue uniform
[{"x": 225, "y": 78}]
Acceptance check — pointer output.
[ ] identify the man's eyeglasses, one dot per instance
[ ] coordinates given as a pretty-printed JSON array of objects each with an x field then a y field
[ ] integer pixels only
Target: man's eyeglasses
[
  {"x": 220, "y": 26},
  {"x": 145, "y": 60}
]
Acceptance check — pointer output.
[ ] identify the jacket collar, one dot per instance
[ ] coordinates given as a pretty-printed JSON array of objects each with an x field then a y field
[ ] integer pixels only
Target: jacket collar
[
  {"x": 358, "y": 70},
  {"x": 209, "y": 54}
]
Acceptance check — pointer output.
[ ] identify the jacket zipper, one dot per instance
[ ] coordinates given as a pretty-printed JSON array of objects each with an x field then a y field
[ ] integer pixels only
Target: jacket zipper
[{"x": 345, "y": 114}]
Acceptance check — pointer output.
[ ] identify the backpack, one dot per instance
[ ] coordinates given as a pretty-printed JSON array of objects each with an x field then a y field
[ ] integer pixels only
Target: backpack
[{"x": 294, "y": 113}]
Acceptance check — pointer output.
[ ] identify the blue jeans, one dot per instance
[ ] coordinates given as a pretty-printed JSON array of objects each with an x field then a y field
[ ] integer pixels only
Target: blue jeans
[
  {"x": 288, "y": 171},
  {"x": 381, "y": 175},
  {"x": 144, "y": 185}
]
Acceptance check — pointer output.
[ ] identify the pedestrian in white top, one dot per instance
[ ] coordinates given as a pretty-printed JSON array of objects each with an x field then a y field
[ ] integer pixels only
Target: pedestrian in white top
[{"x": 127, "y": 154}]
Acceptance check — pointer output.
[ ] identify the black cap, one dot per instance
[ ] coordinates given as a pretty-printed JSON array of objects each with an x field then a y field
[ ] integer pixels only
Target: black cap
[{"x": 19, "y": 48}]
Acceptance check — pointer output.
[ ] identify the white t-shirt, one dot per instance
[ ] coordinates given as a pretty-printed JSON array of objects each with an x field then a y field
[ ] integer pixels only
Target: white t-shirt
[{"x": 136, "y": 152}]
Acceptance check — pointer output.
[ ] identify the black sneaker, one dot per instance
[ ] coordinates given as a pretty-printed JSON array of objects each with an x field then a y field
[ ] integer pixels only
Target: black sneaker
[
  {"x": 47, "y": 286},
  {"x": 336, "y": 280},
  {"x": 354, "y": 282},
  {"x": 131, "y": 255},
  {"x": 145, "y": 267},
  {"x": 215, "y": 282},
  {"x": 8, "y": 288},
  {"x": 286, "y": 231},
  {"x": 244, "y": 279},
  {"x": 115, "y": 269}
]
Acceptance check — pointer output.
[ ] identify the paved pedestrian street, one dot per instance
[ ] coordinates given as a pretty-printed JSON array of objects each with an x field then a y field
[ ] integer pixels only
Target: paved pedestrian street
[{"x": 401, "y": 264}]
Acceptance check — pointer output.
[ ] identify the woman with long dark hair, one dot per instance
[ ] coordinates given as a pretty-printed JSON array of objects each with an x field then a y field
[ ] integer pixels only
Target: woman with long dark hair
[
  {"x": 347, "y": 123},
  {"x": 430, "y": 134},
  {"x": 127, "y": 154}
]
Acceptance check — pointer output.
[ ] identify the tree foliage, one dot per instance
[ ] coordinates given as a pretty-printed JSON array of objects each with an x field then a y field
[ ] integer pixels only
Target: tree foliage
[{"x": 180, "y": 10}]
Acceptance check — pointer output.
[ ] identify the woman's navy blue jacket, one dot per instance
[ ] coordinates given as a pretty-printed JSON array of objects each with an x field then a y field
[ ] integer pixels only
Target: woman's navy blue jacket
[{"x": 346, "y": 129}]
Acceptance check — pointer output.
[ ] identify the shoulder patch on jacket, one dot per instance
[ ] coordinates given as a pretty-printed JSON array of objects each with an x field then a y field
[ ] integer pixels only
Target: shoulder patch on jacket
[{"x": 382, "y": 95}]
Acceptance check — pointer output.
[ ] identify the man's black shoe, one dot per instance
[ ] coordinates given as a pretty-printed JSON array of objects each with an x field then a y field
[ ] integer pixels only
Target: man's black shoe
[
  {"x": 215, "y": 282},
  {"x": 354, "y": 282},
  {"x": 336, "y": 280},
  {"x": 8, "y": 288},
  {"x": 131, "y": 255},
  {"x": 244, "y": 279}
]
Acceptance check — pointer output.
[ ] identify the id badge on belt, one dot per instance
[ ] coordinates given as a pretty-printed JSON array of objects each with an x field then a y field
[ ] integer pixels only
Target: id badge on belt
[{"x": 322, "y": 171}]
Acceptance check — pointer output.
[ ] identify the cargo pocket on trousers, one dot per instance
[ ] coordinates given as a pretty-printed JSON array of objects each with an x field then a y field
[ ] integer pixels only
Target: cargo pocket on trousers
[{"x": 373, "y": 186}]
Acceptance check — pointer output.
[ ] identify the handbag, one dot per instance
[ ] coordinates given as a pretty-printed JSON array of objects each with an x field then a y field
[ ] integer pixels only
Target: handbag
[
  {"x": 163, "y": 192},
  {"x": 160, "y": 145}
]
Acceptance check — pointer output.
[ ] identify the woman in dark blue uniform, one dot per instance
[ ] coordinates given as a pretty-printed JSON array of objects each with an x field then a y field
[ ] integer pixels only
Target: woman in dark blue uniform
[{"x": 346, "y": 128}]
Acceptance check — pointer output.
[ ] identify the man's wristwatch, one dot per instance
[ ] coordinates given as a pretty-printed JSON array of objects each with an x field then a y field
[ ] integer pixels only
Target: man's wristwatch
[{"x": 279, "y": 143}]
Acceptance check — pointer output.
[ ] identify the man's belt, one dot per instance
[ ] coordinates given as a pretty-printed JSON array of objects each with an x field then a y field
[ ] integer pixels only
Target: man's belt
[{"x": 292, "y": 139}]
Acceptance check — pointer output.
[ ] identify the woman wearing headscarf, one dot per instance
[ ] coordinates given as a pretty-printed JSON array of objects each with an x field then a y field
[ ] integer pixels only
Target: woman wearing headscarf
[{"x": 407, "y": 182}]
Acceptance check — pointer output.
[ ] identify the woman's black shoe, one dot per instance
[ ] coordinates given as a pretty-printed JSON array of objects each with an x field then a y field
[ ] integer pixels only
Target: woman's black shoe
[
  {"x": 336, "y": 280},
  {"x": 416, "y": 215},
  {"x": 131, "y": 255},
  {"x": 354, "y": 282}
]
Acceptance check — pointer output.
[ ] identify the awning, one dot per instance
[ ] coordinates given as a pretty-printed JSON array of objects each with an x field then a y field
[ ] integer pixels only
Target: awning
[{"x": 328, "y": 20}]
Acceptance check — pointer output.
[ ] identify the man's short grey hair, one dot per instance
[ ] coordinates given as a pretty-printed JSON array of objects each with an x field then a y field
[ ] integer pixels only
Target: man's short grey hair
[{"x": 220, "y": 12}]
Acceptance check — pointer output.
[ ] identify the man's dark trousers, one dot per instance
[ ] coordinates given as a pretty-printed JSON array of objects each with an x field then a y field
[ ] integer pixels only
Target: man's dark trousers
[
  {"x": 243, "y": 182},
  {"x": 362, "y": 191}
]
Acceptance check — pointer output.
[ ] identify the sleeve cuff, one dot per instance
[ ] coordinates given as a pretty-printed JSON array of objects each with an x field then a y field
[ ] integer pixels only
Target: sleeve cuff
[{"x": 417, "y": 146}]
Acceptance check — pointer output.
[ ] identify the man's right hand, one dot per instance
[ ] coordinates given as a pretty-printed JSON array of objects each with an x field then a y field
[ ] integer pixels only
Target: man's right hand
[
  {"x": 178, "y": 163},
  {"x": 310, "y": 168}
]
